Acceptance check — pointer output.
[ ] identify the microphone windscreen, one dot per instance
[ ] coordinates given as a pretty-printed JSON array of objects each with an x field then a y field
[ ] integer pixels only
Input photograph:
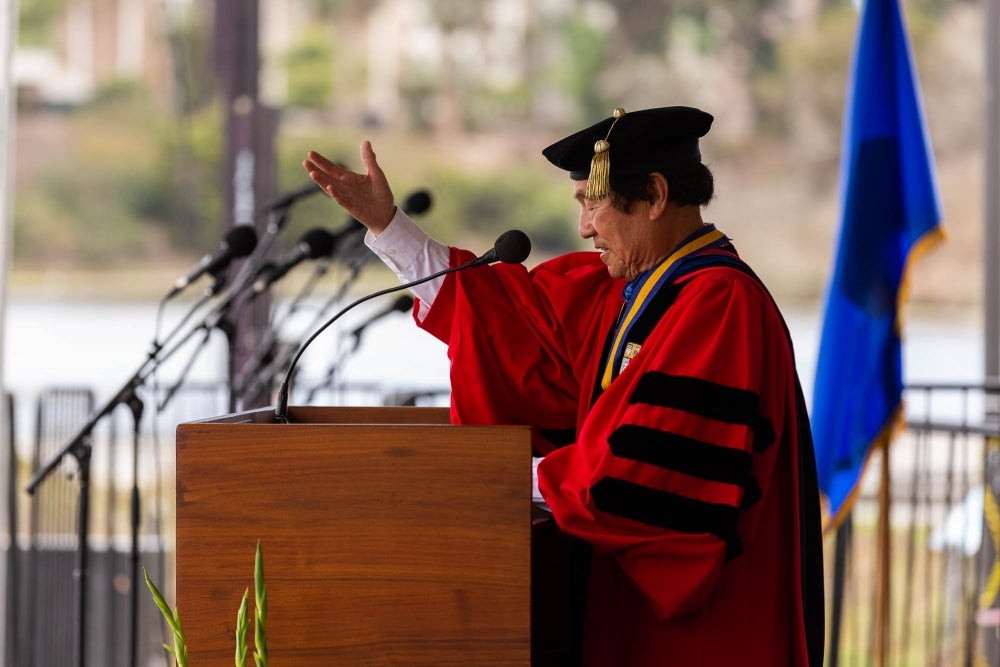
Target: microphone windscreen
[
  {"x": 403, "y": 303},
  {"x": 241, "y": 240},
  {"x": 417, "y": 202},
  {"x": 319, "y": 242},
  {"x": 512, "y": 247}
]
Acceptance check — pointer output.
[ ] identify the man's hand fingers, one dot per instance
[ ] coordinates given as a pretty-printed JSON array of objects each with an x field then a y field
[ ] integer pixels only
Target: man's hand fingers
[{"x": 322, "y": 163}]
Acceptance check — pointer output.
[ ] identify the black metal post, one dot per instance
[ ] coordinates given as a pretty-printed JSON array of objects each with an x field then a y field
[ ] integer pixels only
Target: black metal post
[
  {"x": 81, "y": 452},
  {"x": 248, "y": 161},
  {"x": 136, "y": 406},
  {"x": 841, "y": 551}
]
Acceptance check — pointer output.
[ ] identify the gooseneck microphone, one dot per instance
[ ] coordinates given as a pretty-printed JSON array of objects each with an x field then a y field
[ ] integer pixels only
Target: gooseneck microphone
[
  {"x": 511, "y": 247},
  {"x": 314, "y": 244},
  {"x": 286, "y": 200},
  {"x": 238, "y": 242}
]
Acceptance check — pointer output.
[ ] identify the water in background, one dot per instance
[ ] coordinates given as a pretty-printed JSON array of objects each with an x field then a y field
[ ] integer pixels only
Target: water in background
[{"x": 102, "y": 344}]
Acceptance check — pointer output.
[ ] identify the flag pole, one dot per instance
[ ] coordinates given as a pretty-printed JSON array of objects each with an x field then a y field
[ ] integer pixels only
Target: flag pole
[{"x": 882, "y": 602}]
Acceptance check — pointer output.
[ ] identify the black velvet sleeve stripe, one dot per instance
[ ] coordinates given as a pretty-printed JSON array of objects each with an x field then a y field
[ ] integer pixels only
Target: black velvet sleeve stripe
[
  {"x": 668, "y": 510},
  {"x": 687, "y": 455},
  {"x": 707, "y": 399}
]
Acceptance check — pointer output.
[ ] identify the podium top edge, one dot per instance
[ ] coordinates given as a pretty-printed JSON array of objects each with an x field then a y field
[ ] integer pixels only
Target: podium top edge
[
  {"x": 343, "y": 415},
  {"x": 337, "y": 415}
]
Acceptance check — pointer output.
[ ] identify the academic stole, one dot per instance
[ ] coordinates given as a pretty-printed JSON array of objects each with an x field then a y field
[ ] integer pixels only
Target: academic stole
[{"x": 622, "y": 349}]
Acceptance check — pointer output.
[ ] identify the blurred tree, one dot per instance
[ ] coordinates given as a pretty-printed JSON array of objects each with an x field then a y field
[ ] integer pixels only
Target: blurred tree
[
  {"x": 459, "y": 21},
  {"x": 188, "y": 36},
  {"x": 586, "y": 57},
  {"x": 115, "y": 195},
  {"x": 186, "y": 199},
  {"x": 309, "y": 68},
  {"x": 183, "y": 194},
  {"x": 336, "y": 9},
  {"x": 641, "y": 23},
  {"x": 36, "y": 19},
  {"x": 773, "y": 71}
]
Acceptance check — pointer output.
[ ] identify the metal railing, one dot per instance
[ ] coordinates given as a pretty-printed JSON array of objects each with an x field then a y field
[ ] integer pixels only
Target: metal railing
[
  {"x": 937, "y": 560},
  {"x": 943, "y": 570},
  {"x": 41, "y": 547}
]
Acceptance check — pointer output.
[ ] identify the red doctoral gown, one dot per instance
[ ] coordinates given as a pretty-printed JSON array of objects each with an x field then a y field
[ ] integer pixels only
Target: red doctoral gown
[{"x": 690, "y": 476}]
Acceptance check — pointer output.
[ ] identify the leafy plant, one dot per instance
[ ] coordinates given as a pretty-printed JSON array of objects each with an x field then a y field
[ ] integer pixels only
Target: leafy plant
[{"x": 172, "y": 616}]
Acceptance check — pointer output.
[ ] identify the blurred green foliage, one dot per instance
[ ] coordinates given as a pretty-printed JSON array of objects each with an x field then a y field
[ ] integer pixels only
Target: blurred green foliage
[
  {"x": 37, "y": 20},
  {"x": 135, "y": 184},
  {"x": 309, "y": 68},
  {"x": 588, "y": 54},
  {"x": 142, "y": 178}
]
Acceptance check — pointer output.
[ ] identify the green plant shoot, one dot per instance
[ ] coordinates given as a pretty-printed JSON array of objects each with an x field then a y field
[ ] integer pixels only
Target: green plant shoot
[
  {"x": 173, "y": 619},
  {"x": 241, "y": 631},
  {"x": 260, "y": 605}
]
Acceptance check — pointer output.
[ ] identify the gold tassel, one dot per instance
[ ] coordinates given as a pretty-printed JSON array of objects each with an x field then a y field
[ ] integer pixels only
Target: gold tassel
[{"x": 599, "y": 181}]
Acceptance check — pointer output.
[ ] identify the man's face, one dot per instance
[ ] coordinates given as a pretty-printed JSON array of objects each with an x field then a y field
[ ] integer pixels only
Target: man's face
[{"x": 624, "y": 239}]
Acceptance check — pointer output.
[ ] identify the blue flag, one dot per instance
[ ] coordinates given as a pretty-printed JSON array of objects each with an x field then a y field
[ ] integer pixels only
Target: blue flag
[{"x": 890, "y": 209}]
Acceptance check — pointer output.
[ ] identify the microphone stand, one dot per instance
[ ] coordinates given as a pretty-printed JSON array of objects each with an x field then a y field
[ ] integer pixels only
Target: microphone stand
[
  {"x": 80, "y": 447},
  {"x": 350, "y": 349},
  {"x": 269, "y": 372},
  {"x": 209, "y": 293},
  {"x": 277, "y": 216},
  {"x": 136, "y": 406},
  {"x": 187, "y": 368},
  {"x": 202, "y": 300},
  {"x": 266, "y": 345},
  {"x": 214, "y": 320}
]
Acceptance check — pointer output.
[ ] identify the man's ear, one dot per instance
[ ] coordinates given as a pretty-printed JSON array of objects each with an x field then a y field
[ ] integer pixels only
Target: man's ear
[{"x": 659, "y": 193}]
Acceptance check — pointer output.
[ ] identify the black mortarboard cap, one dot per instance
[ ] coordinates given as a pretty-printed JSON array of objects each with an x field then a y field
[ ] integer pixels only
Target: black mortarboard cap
[{"x": 638, "y": 142}]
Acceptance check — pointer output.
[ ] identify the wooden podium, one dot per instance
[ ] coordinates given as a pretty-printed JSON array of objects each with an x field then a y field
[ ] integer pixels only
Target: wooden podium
[{"x": 390, "y": 537}]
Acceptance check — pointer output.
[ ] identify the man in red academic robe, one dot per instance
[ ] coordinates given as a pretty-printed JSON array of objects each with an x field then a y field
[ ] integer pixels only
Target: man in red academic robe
[{"x": 659, "y": 377}]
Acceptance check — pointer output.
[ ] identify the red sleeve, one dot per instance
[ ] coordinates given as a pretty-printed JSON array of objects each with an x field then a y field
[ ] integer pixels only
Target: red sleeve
[
  {"x": 520, "y": 341},
  {"x": 673, "y": 457}
]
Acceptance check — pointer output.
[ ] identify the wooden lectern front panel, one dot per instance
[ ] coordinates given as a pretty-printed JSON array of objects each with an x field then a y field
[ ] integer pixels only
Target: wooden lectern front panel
[{"x": 384, "y": 544}]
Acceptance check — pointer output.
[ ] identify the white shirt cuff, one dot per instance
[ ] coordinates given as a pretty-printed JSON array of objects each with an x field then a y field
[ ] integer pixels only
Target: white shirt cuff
[
  {"x": 411, "y": 254},
  {"x": 536, "y": 495}
]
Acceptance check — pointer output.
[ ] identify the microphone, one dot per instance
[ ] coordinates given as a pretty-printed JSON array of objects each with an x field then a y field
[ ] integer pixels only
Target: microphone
[
  {"x": 400, "y": 305},
  {"x": 289, "y": 198},
  {"x": 416, "y": 202},
  {"x": 315, "y": 243},
  {"x": 511, "y": 247},
  {"x": 238, "y": 242}
]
